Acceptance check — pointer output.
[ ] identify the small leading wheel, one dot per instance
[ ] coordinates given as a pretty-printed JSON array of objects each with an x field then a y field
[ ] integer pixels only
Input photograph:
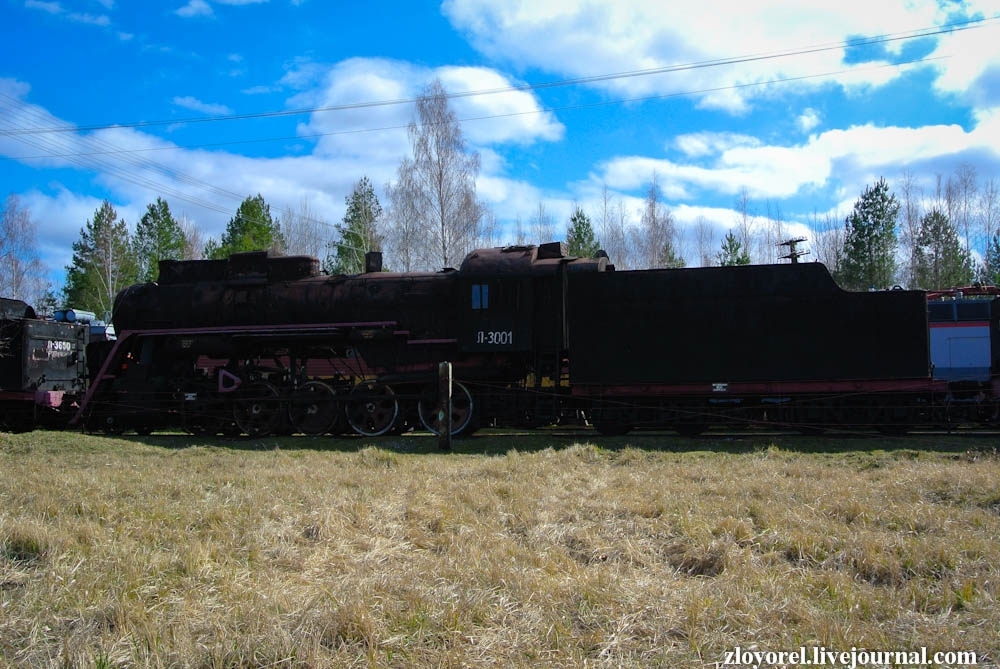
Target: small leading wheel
[
  {"x": 372, "y": 409},
  {"x": 312, "y": 408},
  {"x": 462, "y": 410},
  {"x": 257, "y": 409}
]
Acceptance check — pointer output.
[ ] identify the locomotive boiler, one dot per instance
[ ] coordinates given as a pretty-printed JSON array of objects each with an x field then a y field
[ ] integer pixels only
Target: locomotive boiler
[{"x": 258, "y": 344}]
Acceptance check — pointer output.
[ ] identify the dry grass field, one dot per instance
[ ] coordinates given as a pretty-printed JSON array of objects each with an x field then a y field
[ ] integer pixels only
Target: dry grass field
[{"x": 511, "y": 551}]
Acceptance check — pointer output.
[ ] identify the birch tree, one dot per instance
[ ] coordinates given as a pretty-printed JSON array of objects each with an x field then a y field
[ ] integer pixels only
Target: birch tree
[
  {"x": 705, "y": 241},
  {"x": 434, "y": 198},
  {"x": 543, "y": 224},
  {"x": 304, "y": 233},
  {"x": 22, "y": 274},
  {"x": 657, "y": 235},
  {"x": 910, "y": 224},
  {"x": 989, "y": 222},
  {"x": 613, "y": 235}
]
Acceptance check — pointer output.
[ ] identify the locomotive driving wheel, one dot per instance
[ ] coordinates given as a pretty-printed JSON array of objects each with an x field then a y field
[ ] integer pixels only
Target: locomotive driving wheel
[
  {"x": 313, "y": 407},
  {"x": 257, "y": 409},
  {"x": 462, "y": 410},
  {"x": 372, "y": 409}
]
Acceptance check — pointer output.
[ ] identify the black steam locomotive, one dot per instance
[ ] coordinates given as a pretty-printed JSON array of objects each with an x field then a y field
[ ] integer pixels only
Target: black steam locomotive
[
  {"x": 256, "y": 344},
  {"x": 42, "y": 367}
]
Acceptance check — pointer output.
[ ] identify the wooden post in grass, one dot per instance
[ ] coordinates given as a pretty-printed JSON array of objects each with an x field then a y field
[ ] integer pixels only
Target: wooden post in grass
[{"x": 444, "y": 406}]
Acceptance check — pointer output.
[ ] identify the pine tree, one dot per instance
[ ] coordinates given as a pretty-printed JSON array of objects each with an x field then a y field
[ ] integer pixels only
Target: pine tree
[
  {"x": 869, "y": 255},
  {"x": 940, "y": 260},
  {"x": 158, "y": 236},
  {"x": 103, "y": 263},
  {"x": 580, "y": 238},
  {"x": 732, "y": 252},
  {"x": 992, "y": 266},
  {"x": 359, "y": 232},
  {"x": 251, "y": 229}
]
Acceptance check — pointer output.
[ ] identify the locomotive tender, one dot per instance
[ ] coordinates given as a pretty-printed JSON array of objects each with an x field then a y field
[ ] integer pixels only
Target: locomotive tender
[{"x": 259, "y": 344}]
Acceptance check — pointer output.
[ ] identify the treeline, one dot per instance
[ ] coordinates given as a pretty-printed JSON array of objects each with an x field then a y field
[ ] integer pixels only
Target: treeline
[
  {"x": 945, "y": 239},
  {"x": 433, "y": 218}
]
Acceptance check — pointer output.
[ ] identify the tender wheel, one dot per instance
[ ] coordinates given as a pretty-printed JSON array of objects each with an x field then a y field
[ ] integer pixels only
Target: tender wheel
[
  {"x": 313, "y": 408},
  {"x": 462, "y": 410},
  {"x": 612, "y": 428},
  {"x": 257, "y": 409},
  {"x": 112, "y": 427},
  {"x": 372, "y": 409},
  {"x": 690, "y": 429}
]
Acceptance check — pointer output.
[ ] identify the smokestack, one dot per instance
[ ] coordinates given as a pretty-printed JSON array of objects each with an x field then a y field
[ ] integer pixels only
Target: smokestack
[{"x": 373, "y": 261}]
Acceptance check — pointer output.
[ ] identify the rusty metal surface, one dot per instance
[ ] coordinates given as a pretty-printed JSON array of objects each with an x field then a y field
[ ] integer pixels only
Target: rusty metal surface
[
  {"x": 249, "y": 265},
  {"x": 42, "y": 355},
  {"x": 13, "y": 309},
  {"x": 528, "y": 261}
]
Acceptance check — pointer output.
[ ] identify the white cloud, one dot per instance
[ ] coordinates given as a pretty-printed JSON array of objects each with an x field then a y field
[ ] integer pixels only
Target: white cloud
[
  {"x": 591, "y": 37},
  {"x": 195, "y": 8},
  {"x": 91, "y": 19},
  {"x": 850, "y": 155},
  {"x": 966, "y": 56},
  {"x": 513, "y": 116},
  {"x": 207, "y": 186},
  {"x": 197, "y": 105},
  {"x": 808, "y": 119},
  {"x": 50, "y": 7},
  {"x": 59, "y": 217},
  {"x": 699, "y": 144},
  {"x": 56, "y": 9},
  {"x": 509, "y": 116},
  {"x": 353, "y": 128},
  {"x": 260, "y": 90}
]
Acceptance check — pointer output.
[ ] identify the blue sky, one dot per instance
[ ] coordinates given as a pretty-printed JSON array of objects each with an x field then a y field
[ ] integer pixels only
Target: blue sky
[{"x": 813, "y": 102}]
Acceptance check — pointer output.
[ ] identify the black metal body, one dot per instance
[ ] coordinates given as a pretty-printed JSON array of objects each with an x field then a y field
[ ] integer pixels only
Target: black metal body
[
  {"x": 42, "y": 366},
  {"x": 772, "y": 323},
  {"x": 257, "y": 344}
]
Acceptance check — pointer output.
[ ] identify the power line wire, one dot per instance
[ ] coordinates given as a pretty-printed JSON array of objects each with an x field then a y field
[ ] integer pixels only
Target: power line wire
[
  {"x": 969, "y": 24},
  {"x": 542, "y": 110},
  {"x": 97, "y": 148}
]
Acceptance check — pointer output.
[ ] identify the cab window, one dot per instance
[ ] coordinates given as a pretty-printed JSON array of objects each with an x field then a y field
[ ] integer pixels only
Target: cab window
[{"x": 480, "y": 296}]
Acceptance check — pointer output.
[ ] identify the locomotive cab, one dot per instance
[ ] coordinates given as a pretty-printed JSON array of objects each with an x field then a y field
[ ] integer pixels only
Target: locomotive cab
[
  {"x": 515, "y": 303},
  {"x": 516, "y": 296}
]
